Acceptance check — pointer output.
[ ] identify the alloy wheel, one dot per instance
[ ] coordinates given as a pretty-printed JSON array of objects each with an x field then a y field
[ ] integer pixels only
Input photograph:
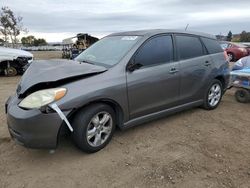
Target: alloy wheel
[
  {"x": 214, "y": 95},
  {"x": 230, "y": 57},
  {"x": 99, "y": 129}
]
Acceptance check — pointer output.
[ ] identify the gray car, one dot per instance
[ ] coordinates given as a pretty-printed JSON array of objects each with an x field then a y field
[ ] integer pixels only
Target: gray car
[{"x": 122, "y": 80}]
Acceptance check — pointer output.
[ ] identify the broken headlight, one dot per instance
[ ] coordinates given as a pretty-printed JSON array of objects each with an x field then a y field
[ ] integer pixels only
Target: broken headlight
[{"x": 42, "y": 98}]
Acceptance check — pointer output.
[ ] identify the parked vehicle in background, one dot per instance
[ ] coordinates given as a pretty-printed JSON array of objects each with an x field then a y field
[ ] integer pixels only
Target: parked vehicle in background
[
  {"x": 122, "y": 80},
  {"x": 240, "y": 79},
  {"x": 14, "y": 61},
  {"x": 235, "y": 51},
  {"x": 248, "y": 47},
  {"x": 72, "y": 49}
]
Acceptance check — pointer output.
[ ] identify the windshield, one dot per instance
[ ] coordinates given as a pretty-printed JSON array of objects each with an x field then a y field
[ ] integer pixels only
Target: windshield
[
  {"x": 108, "y": 51},
  {"x": 224, "y": 45}
]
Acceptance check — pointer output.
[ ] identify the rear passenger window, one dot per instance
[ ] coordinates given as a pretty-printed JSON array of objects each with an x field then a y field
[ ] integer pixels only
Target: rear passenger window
[
  {"x": 157, "y": 50},
  {"x": 212, "y": 46},
  {"x": 188, "y": 47}
]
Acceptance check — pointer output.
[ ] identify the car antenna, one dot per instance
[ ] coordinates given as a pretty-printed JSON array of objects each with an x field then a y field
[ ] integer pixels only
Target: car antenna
[{"x": 186, "y": 27}]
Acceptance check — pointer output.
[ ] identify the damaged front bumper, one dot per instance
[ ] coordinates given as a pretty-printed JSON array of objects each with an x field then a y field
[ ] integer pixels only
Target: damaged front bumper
[{"x": 33, "y": 128}]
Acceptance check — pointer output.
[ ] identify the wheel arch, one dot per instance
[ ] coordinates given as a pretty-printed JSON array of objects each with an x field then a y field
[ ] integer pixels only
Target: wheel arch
[
  {"x": 222, "y": 80},
  {"x": 113, "y": 104},
  {"x": 234, "y": 55}
]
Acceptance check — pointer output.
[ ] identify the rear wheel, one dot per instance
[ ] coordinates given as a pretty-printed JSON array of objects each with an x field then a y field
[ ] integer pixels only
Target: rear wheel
[
  {"x": 230, "y": 56},
  {"x": 242, "y": 95},
  {"x": 213, "y": 95},
  {"x": 11, "y": 71},
  {"x": 93, "y": 127}
]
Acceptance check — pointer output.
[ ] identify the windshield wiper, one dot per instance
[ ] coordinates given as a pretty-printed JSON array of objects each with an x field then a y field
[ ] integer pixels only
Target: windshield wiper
[{"x": 84, "y": 61}]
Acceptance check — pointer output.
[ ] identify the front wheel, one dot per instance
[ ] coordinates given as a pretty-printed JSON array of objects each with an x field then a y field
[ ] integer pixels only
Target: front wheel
[
  {"x": 213, "y": 95},
  {"x": 230, "y": 56},
  {"x": 93, "y": 127},
  {"x": 10, "y": 71}
]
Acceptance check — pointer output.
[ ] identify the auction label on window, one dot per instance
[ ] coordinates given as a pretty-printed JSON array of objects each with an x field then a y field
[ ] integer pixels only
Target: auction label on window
[{"x": 129, "y": 37}]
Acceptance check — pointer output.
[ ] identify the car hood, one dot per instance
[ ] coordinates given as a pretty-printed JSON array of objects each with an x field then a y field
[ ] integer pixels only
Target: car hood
[
  {"x": 14, "y": 52},
  {"x": 51, "y": 73},
  {"x": 7, "y": 57}
]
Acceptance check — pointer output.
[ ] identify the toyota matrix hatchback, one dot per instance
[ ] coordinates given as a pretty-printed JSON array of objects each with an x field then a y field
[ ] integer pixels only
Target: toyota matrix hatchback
[{"x": 122, "y": 80}]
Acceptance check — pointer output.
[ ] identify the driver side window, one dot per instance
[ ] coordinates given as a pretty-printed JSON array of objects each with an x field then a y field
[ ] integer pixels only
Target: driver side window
[{"x": 155, "y": 51}]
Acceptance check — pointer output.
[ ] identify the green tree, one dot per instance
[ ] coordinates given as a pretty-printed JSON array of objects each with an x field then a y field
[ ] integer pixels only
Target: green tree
[
  {"x": 10, "y": 25},
  {"x": 39, "y": 42},
  {"x": 28, "y": 41},
  {"x": 229, "y": 36},
  {"x": 32, "y": 41},
  {"x": 245, "y": 36}
]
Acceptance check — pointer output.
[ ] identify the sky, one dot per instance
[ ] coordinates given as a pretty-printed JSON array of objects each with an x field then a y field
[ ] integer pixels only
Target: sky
[{"x": 56, "y": 20}]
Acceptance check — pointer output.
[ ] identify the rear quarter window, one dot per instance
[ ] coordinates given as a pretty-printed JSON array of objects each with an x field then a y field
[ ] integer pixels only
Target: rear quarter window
[{"x": 212, "y": 45}]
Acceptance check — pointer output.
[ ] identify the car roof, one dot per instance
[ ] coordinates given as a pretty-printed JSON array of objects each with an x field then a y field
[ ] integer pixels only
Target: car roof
[{"x": 153, "y": 32}]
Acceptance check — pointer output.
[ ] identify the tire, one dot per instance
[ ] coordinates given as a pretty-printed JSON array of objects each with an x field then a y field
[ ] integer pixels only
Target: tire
[
  {"x": 86, "y": 122},
  {"x": 231, "y": 57},
  {"x": 10, "y": 71},
  {"x": 213, "y": 95},
  {"x": 242, "y": 95}
]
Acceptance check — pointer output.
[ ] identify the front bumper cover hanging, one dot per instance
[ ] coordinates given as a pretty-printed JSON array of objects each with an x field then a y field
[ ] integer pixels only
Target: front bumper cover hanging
[{"x": 55, "y": 107}]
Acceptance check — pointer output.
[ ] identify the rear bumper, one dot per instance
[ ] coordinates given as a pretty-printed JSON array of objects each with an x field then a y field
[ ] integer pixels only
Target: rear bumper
[{"x": 32, "y": 128}]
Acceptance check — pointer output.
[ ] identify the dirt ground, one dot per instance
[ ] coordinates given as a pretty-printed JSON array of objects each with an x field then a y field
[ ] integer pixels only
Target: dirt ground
[
  {"x": 47, "y": 54},
  {"x": 195, "y": 148}
]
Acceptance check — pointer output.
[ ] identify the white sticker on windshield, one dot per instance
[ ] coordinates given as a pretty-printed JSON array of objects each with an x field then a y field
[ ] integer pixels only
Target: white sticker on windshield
[{"x": 129, "y": 38}]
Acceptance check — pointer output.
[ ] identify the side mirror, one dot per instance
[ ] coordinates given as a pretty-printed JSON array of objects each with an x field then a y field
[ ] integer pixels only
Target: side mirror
[{"x": 133, "y": 66}]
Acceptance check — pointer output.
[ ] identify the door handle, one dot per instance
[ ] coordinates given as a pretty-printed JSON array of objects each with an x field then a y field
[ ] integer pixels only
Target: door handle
[
  {"x": 173, "y": 70},
  {"x": 207, "y": 63}
]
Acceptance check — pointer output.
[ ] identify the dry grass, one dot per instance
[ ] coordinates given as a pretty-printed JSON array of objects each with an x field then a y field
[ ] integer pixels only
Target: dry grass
[{"x": 47, "y": 54}]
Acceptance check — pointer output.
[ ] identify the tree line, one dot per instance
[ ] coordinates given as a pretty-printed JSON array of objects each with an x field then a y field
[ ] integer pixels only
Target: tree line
[
  {"x": 242, "y": 37},
  {"x": 32, "y": 41},
  {"x": 11, "y": 26}
]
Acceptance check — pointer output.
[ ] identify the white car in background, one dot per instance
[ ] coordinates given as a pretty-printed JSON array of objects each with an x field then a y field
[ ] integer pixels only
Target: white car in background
[{"x": 14, "y": 61}]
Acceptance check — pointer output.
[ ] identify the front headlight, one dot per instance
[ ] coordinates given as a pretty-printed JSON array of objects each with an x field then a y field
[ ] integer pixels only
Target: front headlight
[{"x": 42, "y": 97}]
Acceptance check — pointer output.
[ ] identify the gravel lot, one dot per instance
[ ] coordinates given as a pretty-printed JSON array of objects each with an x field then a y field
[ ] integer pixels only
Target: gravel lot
[{"x": 195, "y": 148}]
